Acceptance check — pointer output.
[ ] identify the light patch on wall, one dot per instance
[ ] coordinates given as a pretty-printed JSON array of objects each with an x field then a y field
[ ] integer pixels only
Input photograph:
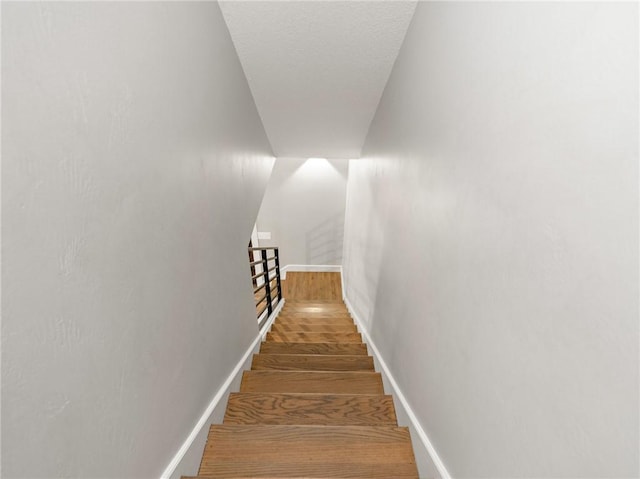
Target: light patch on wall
[
  {"x": 317, "y": 168},
  {"x": 317, "y": 161}
]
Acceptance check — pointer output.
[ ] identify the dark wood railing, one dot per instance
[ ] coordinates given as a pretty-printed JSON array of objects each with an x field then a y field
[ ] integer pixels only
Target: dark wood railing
[{"x": 265, "y": 274}]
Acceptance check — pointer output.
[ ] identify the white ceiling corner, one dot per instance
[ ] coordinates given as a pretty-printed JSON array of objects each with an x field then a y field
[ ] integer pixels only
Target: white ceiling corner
[{"x": 317, "y": 69}]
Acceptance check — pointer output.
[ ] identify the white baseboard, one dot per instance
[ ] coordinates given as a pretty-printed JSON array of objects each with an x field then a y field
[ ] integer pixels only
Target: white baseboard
[
  {"x": 194, "y": 443},
  {"x": 433, "y": 465},
  {"x": 322, "y": 268}
]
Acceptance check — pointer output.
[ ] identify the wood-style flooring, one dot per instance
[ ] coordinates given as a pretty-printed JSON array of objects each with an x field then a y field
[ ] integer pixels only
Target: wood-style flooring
[{"x": 310, "y": 286}]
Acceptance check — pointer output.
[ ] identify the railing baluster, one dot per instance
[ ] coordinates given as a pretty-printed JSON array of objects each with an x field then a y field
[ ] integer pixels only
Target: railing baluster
[
  {"x": 267, "y": 281},
  {"x": 263, "y": 275},
  {"x": 278, "y": 275}
]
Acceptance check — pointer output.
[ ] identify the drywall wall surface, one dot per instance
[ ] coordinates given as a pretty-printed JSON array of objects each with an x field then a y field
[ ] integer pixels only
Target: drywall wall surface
[
  {"x": 491, "y": 235},
  {"x": 134, "y": 163},
  {"x": 303, "y": 209}
]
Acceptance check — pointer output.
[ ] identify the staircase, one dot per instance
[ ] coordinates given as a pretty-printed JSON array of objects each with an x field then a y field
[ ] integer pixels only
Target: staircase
[{"x": 311, "y": 406}]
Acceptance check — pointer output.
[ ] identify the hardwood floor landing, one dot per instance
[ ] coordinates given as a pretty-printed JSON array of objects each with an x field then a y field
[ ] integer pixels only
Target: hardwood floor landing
[{"x": 312, "y": 286}]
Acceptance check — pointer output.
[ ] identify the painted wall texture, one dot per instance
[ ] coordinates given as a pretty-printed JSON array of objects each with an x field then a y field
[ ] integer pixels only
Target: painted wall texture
[
  {"x": 134, "y": 163},
  {"x": 491, "y": 235},
  {"x": 303, "y": 209}
]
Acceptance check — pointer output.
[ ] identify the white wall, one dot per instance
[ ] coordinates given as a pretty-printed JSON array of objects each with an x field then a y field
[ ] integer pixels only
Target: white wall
[
  {"x": 492, "y": 235},
  {"x": 134, "y": 162},
  {"x": 303, "y": 209}
]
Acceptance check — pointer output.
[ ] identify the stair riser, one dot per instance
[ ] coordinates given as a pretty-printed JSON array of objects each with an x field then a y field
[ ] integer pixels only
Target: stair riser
[
  {"x": 311, "y": 362},
  {"x": 314, "y": 337},
  {"x": 312, "y": 382},
  {"x": 286, "y": 314},
  {"x": 313, "y": 328},
  {"x": 314, "y": 348},
  {"x": 251, "y": 470},
  {"x": 315, "y": 321}
]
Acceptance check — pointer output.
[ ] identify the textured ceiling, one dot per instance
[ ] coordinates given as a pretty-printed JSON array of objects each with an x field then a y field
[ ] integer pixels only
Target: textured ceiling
[{"x": 317, "y": 69}]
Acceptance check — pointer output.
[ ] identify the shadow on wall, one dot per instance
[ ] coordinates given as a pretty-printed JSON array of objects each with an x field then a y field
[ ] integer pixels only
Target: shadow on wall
[{"x": 323, "y": 242}]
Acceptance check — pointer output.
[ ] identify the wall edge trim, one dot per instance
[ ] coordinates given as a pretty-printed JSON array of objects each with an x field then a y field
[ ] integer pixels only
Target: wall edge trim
[
  {"x": 422, "y": 435},
  {"x": 220, "y": 393}
]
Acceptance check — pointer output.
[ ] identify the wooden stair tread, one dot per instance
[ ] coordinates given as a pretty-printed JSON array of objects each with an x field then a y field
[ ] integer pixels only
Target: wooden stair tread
[
  {"x": 315, "y": 306},
  {"x": 277, "y": 447},
  {"x": 315, "y": 321},
  {"x": 308, "y": 444},
  {"x": 336, "y": 382},
  {"x": 310, "y": 409},
  {"x": 236, "y": 476},
  {"x": 316, "y": 362},
  {"x": 301, "y": 337},
  {"x": 314, "y": 310},
  {"x": 271, "y": 470},
  {"x": 302, "y": 314},
  {"x": 286, "y": 311},
  {"x": 313, "y": 348},
  {"x": 313, "y": 328},
  {"x": 255, "y": 476},
  {"x": 316, "y": 302}
]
